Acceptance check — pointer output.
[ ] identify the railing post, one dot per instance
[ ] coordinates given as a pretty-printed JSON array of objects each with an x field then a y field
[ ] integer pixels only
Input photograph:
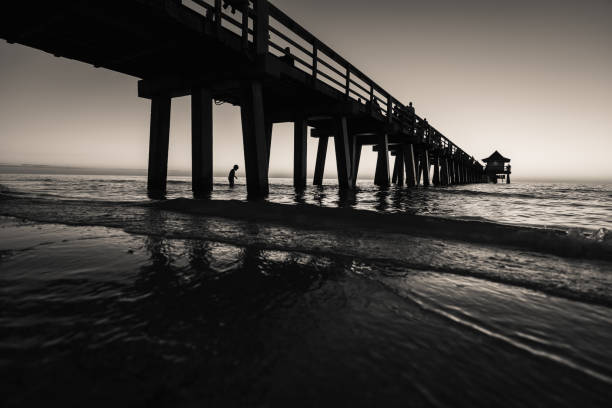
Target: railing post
[
  {"x": 371, "y": 98},
  {"x": 315, "y": 59},
  {"x": 218, "y": 11},
  {"x": 262, "y": 21},
  {"x": 389, "y": 109},
  {"x": 347, "y": 91},
  {"x": 245, "y": 26}
]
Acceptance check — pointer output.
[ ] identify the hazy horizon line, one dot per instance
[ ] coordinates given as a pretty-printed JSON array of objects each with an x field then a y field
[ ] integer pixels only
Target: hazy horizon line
[{"x": 8, "y": 168}]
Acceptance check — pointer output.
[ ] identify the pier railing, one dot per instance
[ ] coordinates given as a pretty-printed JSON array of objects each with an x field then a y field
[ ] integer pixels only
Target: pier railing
[{"x": 267, "y": 29}]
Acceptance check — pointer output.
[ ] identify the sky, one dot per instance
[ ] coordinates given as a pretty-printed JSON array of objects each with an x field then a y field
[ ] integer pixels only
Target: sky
[{"x": 531, "y": 79}]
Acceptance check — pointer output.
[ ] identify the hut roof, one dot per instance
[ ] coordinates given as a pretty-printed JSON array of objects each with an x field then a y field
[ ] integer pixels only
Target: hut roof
[{"x": 496, "y": 157}]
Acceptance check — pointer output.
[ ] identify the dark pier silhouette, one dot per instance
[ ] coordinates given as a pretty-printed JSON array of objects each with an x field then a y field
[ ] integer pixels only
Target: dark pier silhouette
[{"x": 249, "y": 54}]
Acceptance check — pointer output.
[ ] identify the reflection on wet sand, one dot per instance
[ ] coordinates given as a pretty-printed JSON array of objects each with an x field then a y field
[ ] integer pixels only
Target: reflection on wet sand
[{"x": 156, "y": 319}]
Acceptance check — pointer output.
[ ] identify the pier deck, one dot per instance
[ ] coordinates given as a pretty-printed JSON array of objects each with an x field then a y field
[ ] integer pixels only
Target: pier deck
[{"x": 257, "y": 58}]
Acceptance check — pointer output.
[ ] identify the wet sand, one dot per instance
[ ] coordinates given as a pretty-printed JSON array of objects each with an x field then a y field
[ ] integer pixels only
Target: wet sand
[
  {"x": 557, "y": 242},
  {"x": 97, "y": 314}
]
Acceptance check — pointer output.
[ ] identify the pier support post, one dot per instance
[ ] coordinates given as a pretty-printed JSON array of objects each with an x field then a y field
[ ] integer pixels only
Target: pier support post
[
  {"x": 436, "y": 175},
  {"x": 411, "y": 180},
  {"x": 158, "y": 146},
  {"x": 381, "y": 178},
  {"x": 425, "y": 167},
  {"x": 321, "y": 156},
  {"x": 399, "y": 163},
  {"x": 343, "y": 162},
  {"x": 356, "y": 158},
  {"x": 300, "y": 135},
  {"x": 394, "y": 176},
  {"x": 254, "y": 139},
  {"x": 201, "y": 141},
  {"x": 444, "y": 177},
  {"x": 456, "y": 172},
  {"x": 269, "y": 128}
]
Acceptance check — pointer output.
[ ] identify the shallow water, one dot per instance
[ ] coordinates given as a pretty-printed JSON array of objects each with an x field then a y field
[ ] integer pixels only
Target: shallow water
[
  {"x": 132, "y": 305},
  {"x": 552, "y": 205}
]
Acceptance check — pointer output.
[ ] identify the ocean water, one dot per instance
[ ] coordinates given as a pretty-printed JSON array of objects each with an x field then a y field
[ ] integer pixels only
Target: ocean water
[
  {"x": 585, "y": 206},
  {"x": 108, "y": 297}
]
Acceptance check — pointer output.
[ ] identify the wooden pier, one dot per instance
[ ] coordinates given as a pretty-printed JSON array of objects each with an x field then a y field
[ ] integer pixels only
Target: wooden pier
[{"x": 258, "y": 58}]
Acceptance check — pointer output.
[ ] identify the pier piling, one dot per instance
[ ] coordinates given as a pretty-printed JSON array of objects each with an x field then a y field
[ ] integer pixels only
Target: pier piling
[
  {"x": 436, "y": 171},
  {"x": 395, "y": 172},
  {"x": 158, "y": 146},
  {"x": 269, "y": 130},
  {"x": 399, "y": 160},
  {"x": 343, "y": 162},
  {"x": 321, "y": 156},
  {"x": 201, "y": 141},
  {"x": 425, "y": 167},
  {"x": 381, "y": 177},
  {"x": 356, "y": 158},
  {"x": 254, "y": 139},
  {"x": 411, "y": 180},
  {"x": 299, "y": 152}
]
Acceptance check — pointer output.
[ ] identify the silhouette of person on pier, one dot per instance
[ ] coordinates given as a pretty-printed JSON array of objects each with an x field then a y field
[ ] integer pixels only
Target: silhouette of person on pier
[
  {"x": 235, "y": 4},
  {"x": 411, "y": 116},
  {"x": 287, "y": 57},
  {"x": 232, "y": 175},
  {"x": 410, "y": 110},
  {"x": 373, "y": 106}
]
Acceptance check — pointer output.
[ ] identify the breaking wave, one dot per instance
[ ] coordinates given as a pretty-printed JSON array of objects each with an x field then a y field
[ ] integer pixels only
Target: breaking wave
[{"x": 574, "y": 243}]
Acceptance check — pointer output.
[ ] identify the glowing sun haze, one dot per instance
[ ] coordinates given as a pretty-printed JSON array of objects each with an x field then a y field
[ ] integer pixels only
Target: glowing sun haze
[{"x": 530, "y": 79}]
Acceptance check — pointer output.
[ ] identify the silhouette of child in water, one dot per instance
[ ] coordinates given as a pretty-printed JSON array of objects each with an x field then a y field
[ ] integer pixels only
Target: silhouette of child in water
[{"x": 232, "y": 175}]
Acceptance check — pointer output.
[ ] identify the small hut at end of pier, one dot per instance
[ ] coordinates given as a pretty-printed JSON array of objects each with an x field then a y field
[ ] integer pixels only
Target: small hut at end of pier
[{"x": 496, "y": 168}]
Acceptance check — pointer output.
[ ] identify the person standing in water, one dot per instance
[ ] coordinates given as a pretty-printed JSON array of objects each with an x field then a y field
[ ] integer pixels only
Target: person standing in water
[{"x": 232, "y": 175}]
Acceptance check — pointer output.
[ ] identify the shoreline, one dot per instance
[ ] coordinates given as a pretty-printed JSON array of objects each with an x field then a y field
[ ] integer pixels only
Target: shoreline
[{"x": 307, "y": 216}]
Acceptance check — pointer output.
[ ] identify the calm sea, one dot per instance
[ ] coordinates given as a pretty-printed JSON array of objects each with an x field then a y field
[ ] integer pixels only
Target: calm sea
[{"x": 107, "y": 299}]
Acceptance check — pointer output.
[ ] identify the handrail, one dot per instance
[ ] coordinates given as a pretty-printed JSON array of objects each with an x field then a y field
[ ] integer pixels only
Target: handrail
[{"x": 341, "y": 73}]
